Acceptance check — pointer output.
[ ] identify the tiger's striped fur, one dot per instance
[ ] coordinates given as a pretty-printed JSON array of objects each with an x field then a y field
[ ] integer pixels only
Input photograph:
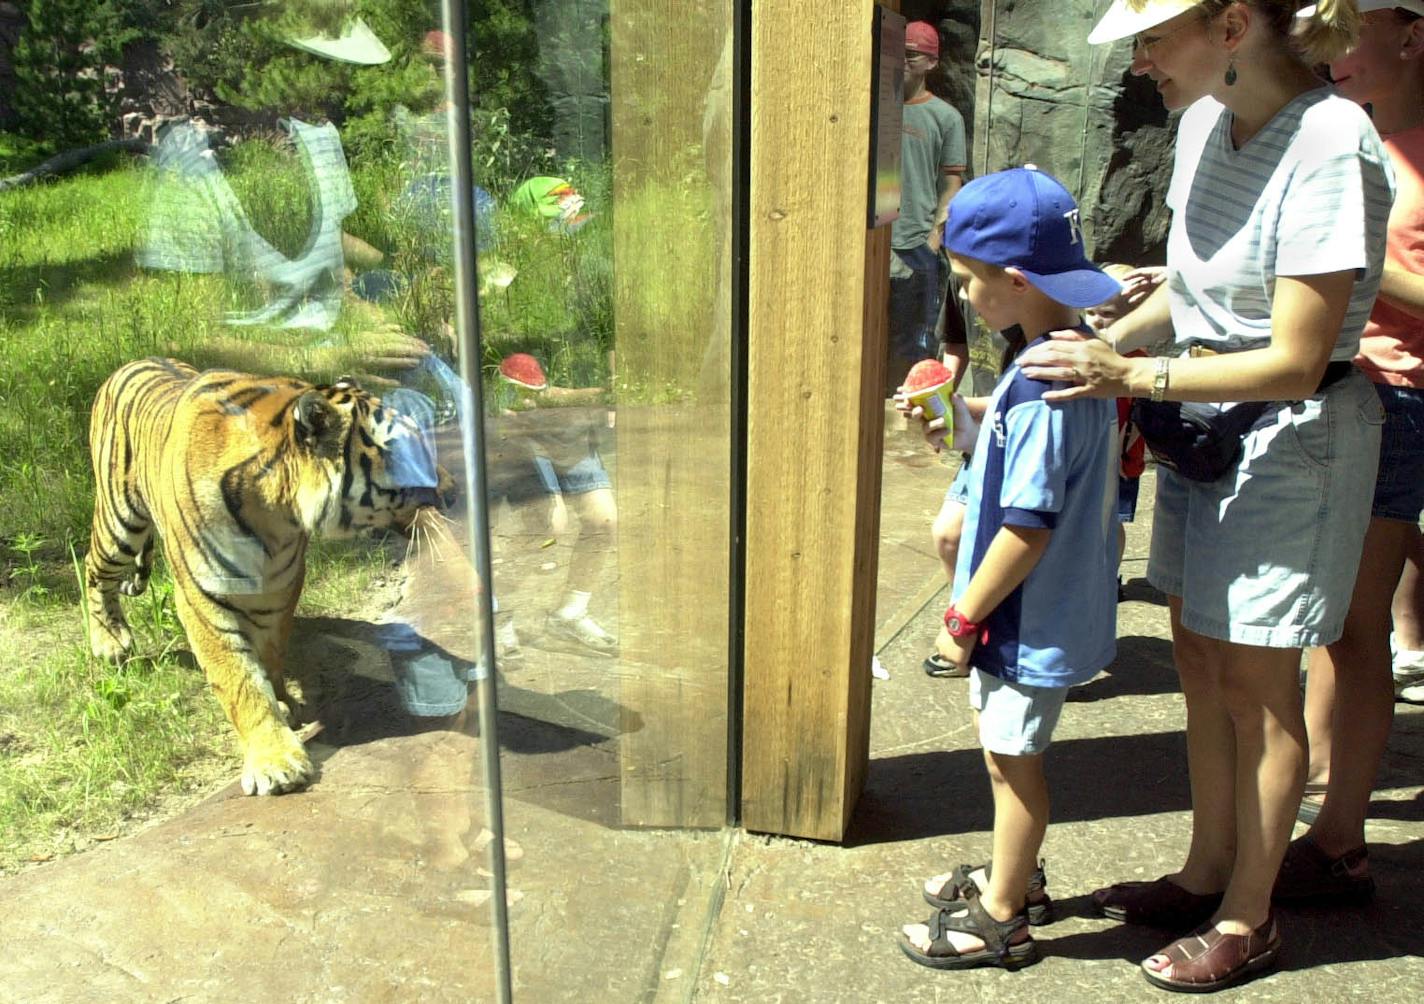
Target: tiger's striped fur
[{"x": 236, "y": 472}]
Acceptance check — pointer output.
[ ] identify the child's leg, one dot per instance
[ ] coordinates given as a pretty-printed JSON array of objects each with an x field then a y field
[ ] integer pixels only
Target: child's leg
[
  {"x": 1409, "y": 599},
  {"x": 1020, "y": 821},
  {"x": 1015, "y": 725}
]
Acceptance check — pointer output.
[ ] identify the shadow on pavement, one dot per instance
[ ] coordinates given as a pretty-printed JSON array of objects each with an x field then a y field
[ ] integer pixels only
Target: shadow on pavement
[
  {"x": 1143, "y": 666},
  {"x": 1312, "y": 936},
  {"x": 1142, "y": 591},
  {"x": 922, "y": 795},
  {"x": 342, "y": 667}
]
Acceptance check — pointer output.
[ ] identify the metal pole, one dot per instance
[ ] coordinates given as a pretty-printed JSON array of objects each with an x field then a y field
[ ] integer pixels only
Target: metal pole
[
  {"x": 742, "y": 14},
  {"x": 467, "y": 316}
]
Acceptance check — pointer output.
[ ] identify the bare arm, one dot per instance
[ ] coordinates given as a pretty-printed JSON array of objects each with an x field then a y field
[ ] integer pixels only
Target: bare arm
[
  {"x": 1011, "y": 556},
  {"x": 951, "y": 179},
  {"x": 1306, "y": 315},
  {"x": 1403, "y": 290}
]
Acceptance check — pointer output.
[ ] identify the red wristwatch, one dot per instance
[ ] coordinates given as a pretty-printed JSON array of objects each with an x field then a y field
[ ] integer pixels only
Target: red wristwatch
[{"x": 958, "y": 625}]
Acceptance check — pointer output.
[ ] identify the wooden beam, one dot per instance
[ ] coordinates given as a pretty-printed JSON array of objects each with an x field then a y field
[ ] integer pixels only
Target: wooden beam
[{"x": 815, "y": 416}]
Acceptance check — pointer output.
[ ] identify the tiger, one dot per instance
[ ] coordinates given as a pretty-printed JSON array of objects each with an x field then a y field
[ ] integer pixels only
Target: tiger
[{"x": 236, "y": 472}]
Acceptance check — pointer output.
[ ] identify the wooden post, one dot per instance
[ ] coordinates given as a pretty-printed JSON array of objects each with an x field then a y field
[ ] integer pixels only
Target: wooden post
[{"x": 818, "y": 283}]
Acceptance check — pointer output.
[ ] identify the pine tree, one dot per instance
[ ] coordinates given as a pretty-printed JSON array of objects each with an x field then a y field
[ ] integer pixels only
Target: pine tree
[{"x": 60, "y": 92}]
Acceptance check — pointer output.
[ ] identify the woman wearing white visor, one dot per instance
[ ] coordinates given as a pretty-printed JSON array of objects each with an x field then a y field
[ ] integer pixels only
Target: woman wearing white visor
[{"x": 1280, "y": 195}]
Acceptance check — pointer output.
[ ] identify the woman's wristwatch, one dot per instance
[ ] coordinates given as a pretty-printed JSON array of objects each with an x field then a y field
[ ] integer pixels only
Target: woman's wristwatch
[{"x": 1160, "y": 378}]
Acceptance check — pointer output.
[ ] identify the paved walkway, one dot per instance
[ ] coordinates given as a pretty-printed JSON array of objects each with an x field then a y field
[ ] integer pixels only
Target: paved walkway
[
  {"x": 814, "y": 922},
  {"x": 367, "y": 886}
]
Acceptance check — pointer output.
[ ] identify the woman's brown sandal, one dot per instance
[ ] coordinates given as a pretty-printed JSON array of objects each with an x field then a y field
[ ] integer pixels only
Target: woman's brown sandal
[
  {"x": 1159, "y": 903},
  {"x": 1210, "y": 960},
  {"x": 960, "y": 887},
  {"x": 1007, "y": 943},
  {"x": 1309, "y": 876}
]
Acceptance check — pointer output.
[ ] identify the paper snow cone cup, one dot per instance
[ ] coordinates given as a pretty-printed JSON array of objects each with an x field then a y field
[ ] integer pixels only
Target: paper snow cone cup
[{"x": 936, "y": 402}]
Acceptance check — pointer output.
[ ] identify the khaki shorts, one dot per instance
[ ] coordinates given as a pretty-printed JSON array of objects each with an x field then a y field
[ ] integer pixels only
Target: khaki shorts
[{"x": 1015, "y": 719}]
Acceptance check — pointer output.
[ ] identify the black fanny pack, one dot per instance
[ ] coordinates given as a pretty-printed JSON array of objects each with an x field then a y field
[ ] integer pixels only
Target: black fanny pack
[{"x": 1200, "y": 441}]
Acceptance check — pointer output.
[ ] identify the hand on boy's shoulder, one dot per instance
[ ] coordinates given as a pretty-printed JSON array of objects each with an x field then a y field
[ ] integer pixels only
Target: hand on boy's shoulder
[{"x": 1086, "y": 366}]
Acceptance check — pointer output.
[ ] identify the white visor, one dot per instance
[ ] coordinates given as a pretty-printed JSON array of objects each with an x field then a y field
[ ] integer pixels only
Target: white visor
[
  {"x": 1122, "y": 21},
  {"x": 1413, "y": 6},
  {"x": 357, "y": 43}
]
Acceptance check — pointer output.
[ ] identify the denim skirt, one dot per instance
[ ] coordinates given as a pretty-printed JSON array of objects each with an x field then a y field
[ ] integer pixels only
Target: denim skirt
[{"x": 1267, "y": 554}]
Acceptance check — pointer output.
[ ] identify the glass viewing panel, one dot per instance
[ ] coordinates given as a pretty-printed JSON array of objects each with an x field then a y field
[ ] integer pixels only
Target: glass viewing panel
[
  {"x": 240, "y": 752},
  {"x": 605, "y": 301}
]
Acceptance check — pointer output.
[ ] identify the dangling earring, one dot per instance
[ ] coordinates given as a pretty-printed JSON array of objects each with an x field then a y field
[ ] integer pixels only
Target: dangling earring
[{"x": 1231, "y": 72}]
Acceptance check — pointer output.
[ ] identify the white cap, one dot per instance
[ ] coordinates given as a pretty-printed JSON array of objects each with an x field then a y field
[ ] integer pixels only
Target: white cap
[
  {"x": 1413, "y": 6},
  {"x": 357, "y": 43},
  {"x": 1124, "y": 19}
]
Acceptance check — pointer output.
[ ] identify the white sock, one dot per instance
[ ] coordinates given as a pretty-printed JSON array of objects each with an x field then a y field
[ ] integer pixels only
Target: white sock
[
  {"x": 575, "y": 605},
  {"x": 1408, "y": 662}
]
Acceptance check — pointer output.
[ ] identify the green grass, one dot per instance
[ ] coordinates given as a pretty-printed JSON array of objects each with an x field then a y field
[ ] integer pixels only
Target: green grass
[
  {"x": 19, "y": 153},
  {"x": 87, "y": 747}
]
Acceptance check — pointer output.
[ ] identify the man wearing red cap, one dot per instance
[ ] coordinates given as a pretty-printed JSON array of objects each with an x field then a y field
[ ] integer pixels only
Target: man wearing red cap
[{"x": 932, "y": 163}]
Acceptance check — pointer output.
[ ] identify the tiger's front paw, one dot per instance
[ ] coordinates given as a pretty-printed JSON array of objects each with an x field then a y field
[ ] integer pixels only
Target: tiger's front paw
[
  {"x": 110, "y": 642},
  {"x": 276, "y": 763}
]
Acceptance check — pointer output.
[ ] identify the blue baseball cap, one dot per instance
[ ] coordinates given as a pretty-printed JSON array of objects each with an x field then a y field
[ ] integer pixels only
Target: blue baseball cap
[{"x": 1025, "y": 219}]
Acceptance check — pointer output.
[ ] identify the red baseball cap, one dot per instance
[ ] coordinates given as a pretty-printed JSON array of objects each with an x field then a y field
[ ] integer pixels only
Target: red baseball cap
[
  {"x": 921, "y": 36},
  {"x": 436, "y": 43}
]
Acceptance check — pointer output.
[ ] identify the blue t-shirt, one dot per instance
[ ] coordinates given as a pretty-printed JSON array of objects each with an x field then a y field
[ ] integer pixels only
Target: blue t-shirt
[{"x": 1046, "y": 464}]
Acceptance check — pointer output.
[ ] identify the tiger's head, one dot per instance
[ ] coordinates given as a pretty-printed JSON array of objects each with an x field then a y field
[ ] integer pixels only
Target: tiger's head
[{"x": 365, "y": 464}]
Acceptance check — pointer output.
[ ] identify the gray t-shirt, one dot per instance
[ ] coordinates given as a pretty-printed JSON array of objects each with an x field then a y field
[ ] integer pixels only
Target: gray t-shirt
[{"x": 933, "y": 139}]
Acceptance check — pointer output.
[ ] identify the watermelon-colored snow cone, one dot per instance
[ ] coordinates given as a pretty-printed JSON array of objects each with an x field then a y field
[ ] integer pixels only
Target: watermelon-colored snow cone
[
  {"x": 523, "y": 370},
  {"x": 928, "y": 386},
  {"x": 927, "y": 373}
]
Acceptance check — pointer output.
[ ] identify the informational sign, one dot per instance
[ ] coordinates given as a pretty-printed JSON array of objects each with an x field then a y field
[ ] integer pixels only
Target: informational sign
[{"x": 887, "y": 76}]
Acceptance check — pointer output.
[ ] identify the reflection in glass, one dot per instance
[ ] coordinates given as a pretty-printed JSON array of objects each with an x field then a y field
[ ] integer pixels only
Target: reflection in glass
[
  {"x": 289, "y": 234},
  {"x": 288, "y": 237}
]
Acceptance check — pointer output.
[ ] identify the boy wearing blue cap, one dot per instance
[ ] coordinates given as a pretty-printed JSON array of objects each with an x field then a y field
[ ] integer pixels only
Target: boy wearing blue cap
[{"x": 1033, "y": 610}]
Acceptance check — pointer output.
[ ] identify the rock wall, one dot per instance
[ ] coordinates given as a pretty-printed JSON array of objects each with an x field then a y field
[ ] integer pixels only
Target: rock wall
[{"x": 1046, "y": 97}]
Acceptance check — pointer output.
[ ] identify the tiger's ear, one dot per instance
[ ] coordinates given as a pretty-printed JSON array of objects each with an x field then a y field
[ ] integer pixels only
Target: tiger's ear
[{"x": 316, "y": 424}]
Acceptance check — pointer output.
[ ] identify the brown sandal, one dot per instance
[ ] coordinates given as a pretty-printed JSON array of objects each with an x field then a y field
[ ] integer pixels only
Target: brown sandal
[
  {"x": 1210, "y": 960},
  {"x": 1309, "y": 876},
  {"x": 959, "y": 887},
  {"x": 1159, "y": 903}
]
